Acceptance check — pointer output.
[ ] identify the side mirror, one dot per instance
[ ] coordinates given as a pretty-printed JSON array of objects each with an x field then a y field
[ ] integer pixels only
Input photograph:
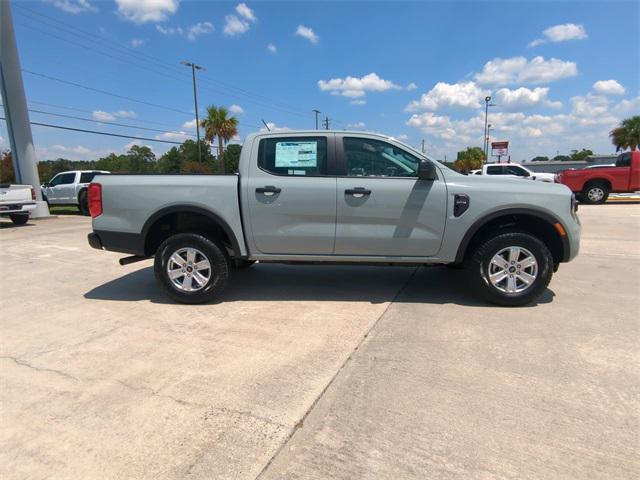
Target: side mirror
[
  {"x": 45, "y": 185},
  {"x": 427, "y": 171}
]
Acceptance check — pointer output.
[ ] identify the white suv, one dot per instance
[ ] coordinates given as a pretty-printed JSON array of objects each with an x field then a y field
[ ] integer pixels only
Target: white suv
[{"x": 70, "y": 188}]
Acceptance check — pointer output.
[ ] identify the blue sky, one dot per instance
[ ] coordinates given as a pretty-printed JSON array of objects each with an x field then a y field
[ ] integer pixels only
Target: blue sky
[{"x": 562, "y": 74}]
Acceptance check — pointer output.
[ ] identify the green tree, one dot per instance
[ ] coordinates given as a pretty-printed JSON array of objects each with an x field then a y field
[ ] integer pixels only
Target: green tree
[
  {"x": 232, "y": 158},
  {"x": 561, "y": 158},
  {"x": 220, "y": 125},
  {"x": 7, "y": 175},
  {"x": 627, "y": 135},
  {"x": 114, "y": 163},
  {"x": 580, "y": 155},
  {"x": 170, "y": 161},
  {"x": 470, "y": 159},
  {"x": 141, "y": 159},
  {"x": 540, "y": 159}
]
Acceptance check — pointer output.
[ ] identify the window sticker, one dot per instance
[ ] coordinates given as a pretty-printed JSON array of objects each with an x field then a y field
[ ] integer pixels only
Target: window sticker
[{"x": 297, "y": 154}]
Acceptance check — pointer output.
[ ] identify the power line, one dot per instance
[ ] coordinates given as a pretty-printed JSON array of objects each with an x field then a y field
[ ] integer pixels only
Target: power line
[{"x": 61, "y": 127}]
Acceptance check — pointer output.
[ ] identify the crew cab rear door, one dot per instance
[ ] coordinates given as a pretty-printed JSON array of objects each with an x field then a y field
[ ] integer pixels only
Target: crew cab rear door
[
  {"x": 291, "y": 195},
  {"x": 383, "y": 208}
]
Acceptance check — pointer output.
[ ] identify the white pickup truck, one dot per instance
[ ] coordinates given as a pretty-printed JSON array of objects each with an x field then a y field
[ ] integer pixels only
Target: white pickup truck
[
  {"x": 70, "y": 188},
  {"x": 16, "y": 201},
  {"x": 513, "y": 170}
]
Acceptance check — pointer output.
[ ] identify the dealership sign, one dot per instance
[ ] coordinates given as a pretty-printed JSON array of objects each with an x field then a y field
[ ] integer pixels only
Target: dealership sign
[{"x": 499, "y": 149}]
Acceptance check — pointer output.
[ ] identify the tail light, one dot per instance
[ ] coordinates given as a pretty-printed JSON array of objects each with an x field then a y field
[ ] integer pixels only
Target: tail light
[
  {"x": 33, "y": 194},
  {"x": 95, "y": 199}
]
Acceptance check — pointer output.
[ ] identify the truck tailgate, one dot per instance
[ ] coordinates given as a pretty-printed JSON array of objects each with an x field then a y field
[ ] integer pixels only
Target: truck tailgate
[{"x": 131, "y": 202}]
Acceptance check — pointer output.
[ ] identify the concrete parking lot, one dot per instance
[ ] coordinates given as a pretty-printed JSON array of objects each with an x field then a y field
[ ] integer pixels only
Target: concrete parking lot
[{"x": 317, "y": 372}]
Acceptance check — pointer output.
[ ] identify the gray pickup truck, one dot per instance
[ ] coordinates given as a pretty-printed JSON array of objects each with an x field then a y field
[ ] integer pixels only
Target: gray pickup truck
[{"x": 340, "y": 197}]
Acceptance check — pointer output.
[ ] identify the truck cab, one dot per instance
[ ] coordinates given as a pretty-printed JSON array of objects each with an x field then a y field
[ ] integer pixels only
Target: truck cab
[
  {"x": 513, "y": 170},
  {"x": 70, "y": 188}
]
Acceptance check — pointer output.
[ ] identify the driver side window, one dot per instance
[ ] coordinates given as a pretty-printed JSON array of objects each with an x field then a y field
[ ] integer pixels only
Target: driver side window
[
  {"x": 520, "y": 172},
  {"x": 56, "y": 181},
  {"x": 365, "y": 157}
]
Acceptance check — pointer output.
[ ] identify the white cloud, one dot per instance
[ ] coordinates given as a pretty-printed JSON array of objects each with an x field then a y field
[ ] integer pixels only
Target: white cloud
[
  {"x": 180, "y": 136},
  {"x": 236, "y": 108},
  {"x": 245, "y": 12},
  {"x": 608, "y": 87},
  {"x": 504, "y": 71},
  {"x": 464, "y": 95},
  {"x": 103, "y": 116},
  {"x": 199, "y": 28},
  {"x": 169, "y": 30},
  {"x": 239, "y": 24},
  {"x": 272, "y": 48},
  {"x": 358, "y": 101},
  {"x": 402, "y": 137},
  {"x": 274, "y": 128},
  {"x": 628, "y": 107},
  {"x": 356, "y": 125},
  {"x": 522, "y": 98},
  {"x": 412, "y": 86},
  {"x": 143, "y": 11},
  {"x": 354, "y": 87},
  {"x": 561, "y": 33},
  {"x": 308, "y": 33},
  {"x": 137, "y": 42},
  {"x": 73, "y": 6},
  {"x": 191, "y": 124},
  {"x": 78, "y": 152}
]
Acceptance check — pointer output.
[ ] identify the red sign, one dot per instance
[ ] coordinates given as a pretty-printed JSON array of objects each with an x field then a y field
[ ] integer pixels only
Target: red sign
[{"x": 499, "y": 149}]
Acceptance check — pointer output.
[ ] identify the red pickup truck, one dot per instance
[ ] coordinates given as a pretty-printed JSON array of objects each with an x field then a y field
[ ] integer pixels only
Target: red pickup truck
[{"x": 593, "y": 185}]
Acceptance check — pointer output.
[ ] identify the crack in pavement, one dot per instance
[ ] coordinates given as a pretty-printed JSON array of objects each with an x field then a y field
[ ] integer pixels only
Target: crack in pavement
[
  {"x": 300, "y": 423},
  {"x": 22, "y": 363}
]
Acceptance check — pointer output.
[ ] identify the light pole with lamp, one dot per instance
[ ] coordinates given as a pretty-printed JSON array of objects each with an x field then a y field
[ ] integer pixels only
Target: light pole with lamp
[
  {"x": 489, "y": 126},
  {"x": 487, "y": 103},
  {"x": 195, "y": 67}
]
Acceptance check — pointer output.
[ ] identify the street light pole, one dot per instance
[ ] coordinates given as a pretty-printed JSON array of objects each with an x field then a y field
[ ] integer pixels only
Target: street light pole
[
  {"x": 317, "y": 112},
  {"x": 488, "y": 138},
  {"x": 195, "y": 67},
  {"x": 487, "y": 99}
]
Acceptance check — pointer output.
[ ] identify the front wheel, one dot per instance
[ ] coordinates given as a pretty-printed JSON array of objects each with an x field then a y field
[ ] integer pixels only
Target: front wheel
[
  {"x": 511, "y": 269},
  {"x": 191, "y": 268}
]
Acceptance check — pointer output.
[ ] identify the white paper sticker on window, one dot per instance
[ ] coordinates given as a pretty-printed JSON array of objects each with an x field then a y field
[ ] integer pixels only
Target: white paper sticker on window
[{"x": 297, "y": 154}]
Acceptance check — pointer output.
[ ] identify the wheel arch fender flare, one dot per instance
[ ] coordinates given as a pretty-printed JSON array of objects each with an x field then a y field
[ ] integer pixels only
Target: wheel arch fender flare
[
  {"x": 214, "y": 217},
  {"x": 482, "y": 221}
]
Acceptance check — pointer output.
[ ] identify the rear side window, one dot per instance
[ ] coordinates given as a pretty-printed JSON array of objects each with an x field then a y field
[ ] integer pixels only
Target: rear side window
[
  {"x": 294, "y": 156},
  {"x": 66, "y": 178},
  {"x": 87, "y": 177}
]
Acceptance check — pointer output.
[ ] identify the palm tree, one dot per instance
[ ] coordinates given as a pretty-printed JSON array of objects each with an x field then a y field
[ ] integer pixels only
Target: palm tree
[
  {"x": 627, "y": 135},
  {"x": 221, "y": 125}
]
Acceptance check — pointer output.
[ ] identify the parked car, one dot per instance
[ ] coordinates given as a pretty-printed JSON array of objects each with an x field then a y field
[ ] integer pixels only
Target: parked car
[
  {"x": 513, "y": 170},
  {"x": 16, "y": 201},
  {"x": 340, "y": 197},
  {"x": 595, "y": 184},
  {"x": 70, "y": 188}
]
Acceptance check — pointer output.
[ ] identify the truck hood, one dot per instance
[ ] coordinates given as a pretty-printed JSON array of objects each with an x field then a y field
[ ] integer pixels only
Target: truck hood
[{"x": 506, "y": 185}]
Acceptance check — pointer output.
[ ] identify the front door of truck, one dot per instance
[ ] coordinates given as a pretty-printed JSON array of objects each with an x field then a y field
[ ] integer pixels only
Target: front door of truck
[
  {"x": 383, "y": 208},
  {"x": 60, "y": 190},
  {"x": 291, "y": 197}
]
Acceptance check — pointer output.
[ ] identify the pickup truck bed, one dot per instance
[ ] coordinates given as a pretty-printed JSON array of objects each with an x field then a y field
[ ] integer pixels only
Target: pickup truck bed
[{"x": 16, "y": 201}]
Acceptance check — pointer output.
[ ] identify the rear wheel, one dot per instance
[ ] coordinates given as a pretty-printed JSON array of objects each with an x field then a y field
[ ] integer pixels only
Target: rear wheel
[
  {"x": 19, "y": 218},
  {"x": 83, "y": 203},
  {"x": 191, "y": 268},
  {"x": 595, "y": 193},
  {"x": 511, "y": 269}
]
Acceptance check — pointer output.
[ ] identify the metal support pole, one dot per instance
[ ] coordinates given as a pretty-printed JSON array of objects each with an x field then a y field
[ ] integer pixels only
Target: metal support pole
[
  {"x": 195, "y": 67},
  {"x": 317, "y": 112},
  {"x": 15, "y": 111}
]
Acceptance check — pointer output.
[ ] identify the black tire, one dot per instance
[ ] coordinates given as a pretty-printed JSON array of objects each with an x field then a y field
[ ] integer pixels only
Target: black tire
[
  {"x": 479, "y": 267},
  {"x": 19, "y": 218},
  {"x": 219, "y": 273},
  {"x": 83, "y": 203},
  {"x": 241, "y": 264},
  {"x": 595, "y": 193}
]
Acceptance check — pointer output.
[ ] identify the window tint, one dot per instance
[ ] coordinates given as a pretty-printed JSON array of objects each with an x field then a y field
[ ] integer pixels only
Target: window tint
[
  {"x": 55, "y": 180},
  {"x": 67, "y": 178},
  {"x": 513, "y": 170},
  {"x": 494, "y": 170},
  {"x": 372, "y": 158},
  {"x": 87, "y": 177},
  {"x": 301, "y": 156},
  {"x": 624, "y": 160}
]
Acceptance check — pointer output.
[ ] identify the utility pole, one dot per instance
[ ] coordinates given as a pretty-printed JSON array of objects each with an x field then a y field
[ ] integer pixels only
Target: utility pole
[
  {"x": 423, "y": 145},
  {"x": 317, "y": 112},
  {"x": 326, "y": 123},
  {"x": 487, "y": 99},
  {"x": 195, "y": 67},
  {"x": 488, "y": 140},
  {"x": 14, "y": 100}
]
